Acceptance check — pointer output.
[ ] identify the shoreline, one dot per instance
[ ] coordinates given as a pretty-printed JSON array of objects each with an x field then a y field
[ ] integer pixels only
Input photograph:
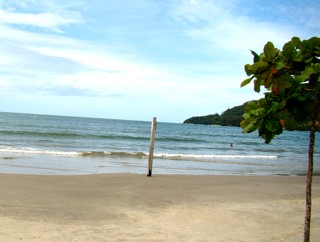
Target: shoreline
[
  {"x": 57, "y": 165},
  {"x": 134, "y": 207}
]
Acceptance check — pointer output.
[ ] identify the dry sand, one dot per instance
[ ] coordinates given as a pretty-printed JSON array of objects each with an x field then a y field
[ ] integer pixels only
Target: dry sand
[{"x": 131, "y": 207}]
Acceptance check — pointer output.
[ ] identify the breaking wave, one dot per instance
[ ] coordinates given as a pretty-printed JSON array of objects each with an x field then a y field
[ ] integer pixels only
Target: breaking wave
[{"x": 102, "y": 154}]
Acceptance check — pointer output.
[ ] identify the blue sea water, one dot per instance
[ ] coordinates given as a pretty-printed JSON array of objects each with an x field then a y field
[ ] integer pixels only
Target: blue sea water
[{"x": 44, "y": 144}]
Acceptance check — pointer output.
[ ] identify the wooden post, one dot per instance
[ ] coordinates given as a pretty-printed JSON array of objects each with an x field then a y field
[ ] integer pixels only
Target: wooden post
[{"x": 151, "y": 150}]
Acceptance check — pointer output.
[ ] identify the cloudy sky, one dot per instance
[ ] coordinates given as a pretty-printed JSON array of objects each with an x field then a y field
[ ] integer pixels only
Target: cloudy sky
[{"x": 135, "y": 59}]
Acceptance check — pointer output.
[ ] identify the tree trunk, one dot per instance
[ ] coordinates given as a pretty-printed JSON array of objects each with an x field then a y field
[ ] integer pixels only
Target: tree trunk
[{"x": 307, "y": 223}]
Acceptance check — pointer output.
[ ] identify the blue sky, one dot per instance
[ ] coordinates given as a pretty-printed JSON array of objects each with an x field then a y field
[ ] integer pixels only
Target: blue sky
[{"x": 136, "y": 59}]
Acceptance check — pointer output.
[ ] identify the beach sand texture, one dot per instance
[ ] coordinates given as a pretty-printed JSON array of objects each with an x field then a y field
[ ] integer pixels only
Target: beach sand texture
[{"x": 132, "y": 207}]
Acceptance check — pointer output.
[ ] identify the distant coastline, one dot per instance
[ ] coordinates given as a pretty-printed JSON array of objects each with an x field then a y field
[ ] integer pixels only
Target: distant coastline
[
  {"x": 230, "y": 117},
  {"x": 233, "y": 117}
]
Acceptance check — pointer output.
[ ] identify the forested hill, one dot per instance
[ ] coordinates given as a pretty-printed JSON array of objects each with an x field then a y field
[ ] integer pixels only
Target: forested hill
[{"x": 230, "y": 117}]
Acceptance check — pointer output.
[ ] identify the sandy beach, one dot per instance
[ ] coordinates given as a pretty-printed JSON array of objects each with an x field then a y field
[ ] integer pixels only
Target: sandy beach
[{"x": 132, "y": 207}]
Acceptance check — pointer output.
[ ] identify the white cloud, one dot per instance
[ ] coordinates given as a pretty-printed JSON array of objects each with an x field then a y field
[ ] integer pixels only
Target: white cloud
[
  {"x": 221, "y": 28},
  {"x": 17, "y": 37},
  {"x": 180, "y": 55},
  {"x": 46, "y": 20}
]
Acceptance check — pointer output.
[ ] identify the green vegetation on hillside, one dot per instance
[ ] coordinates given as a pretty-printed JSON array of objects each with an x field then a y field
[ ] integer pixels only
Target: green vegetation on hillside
[{"x": 230, "y": 117}]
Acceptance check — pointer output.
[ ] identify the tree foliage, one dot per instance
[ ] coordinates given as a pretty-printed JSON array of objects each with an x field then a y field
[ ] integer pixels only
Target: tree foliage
[{"x": 291, "y": 77}]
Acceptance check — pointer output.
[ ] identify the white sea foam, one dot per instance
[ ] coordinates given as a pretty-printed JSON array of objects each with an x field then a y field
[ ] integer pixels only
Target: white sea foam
[
  {"x": 27, "y": 150},
  {"x": 193, "y": 156}
]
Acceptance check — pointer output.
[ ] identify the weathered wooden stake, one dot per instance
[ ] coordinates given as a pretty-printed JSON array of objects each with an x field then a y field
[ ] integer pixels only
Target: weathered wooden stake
[{"x": 151, "y": 150}]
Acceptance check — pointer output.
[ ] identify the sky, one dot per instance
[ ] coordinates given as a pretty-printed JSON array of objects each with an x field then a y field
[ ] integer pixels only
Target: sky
[{"x": 138, "y": 59}]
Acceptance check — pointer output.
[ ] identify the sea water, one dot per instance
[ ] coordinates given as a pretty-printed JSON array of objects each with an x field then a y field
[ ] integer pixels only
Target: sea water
[{"x": 44, "y": 144}]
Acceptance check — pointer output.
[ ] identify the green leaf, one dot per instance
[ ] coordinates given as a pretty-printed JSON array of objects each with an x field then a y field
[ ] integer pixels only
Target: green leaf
[
  {"x": 269, "y": 136},
  {"x": 288, "y": 49},
  {"x": 260, "y": 66},
  {"x": 298, "y": 57},
  {"x": 313, "y": 42},
  {"x": 266, "y": 135},
  {"x": 279, "y": 131},
  {"x": 251, "y": 105},
  {"x": 269, "y": 51},
  {"x": 257, "y": 84},
  {"x": 272, "y": 125},
  {"x": 305, "y": 75},
  {"x": 256, "y": 67},
  {"x": 304, "y": 46},
  {"x": 248, "y": 69},
  {"x": 273, "y": 108},
  {"x": 262, "y": 102},
  {"x": 256, "y": 57},
  {"x": 296, "y": 41},
  {"x": 316, "y": 67},
  {"x": 249, "y": 127},
  {"x": 308, "y": 60},
  {"x": 280, "y": 64},
  {"x": 285, "y": 81},
  {"x": 246, "y": 116},
  {"x": 246, "y": 81},
  {"x": 302, "y": 98},
  {"x": 259, "y": 112},
  {"x": 268, "y": 81}
]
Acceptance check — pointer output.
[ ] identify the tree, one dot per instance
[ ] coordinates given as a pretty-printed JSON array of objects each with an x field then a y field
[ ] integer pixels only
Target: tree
[{"x": 291, "y": 78}]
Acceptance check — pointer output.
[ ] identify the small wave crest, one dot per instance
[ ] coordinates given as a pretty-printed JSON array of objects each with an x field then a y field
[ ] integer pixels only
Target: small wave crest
[
  {"x": 174, "y": 156},
  {"x": 193, "y": 156},
  {"x": 70, "y": 135},
  {"x": 119, "y": 154},
  {"x": 37, "y": 134},
  {"x": 27, "y": 150}
]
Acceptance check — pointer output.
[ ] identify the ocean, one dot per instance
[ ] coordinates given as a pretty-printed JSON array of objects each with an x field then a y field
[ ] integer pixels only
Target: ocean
[{"x": 59, "y": 145}]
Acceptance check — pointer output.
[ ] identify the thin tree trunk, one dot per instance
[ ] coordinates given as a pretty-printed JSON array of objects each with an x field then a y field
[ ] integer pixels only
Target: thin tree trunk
[{"x": 307, "y": 223}]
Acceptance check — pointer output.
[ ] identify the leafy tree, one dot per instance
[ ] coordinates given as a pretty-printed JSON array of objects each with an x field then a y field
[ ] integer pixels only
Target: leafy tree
[{"x": 291, "y": 78}]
